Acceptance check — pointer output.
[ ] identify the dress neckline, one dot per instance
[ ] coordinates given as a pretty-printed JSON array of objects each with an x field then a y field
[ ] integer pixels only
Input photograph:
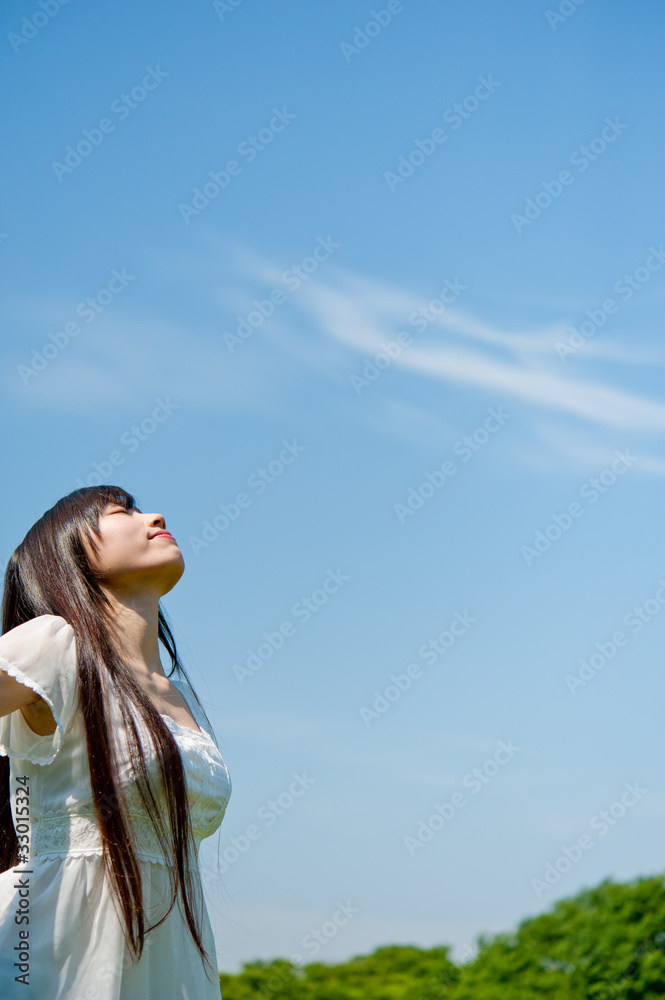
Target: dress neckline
[
  {"x": 196, "y": 732},
  {"x": 177, "y": 685}
]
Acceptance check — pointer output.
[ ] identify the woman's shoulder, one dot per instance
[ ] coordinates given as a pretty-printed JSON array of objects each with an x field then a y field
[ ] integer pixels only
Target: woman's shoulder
[
  {"x": 44, "y": 634},
  {"x": 41, "y": 655},
  {"x": 40, "y": 623}
]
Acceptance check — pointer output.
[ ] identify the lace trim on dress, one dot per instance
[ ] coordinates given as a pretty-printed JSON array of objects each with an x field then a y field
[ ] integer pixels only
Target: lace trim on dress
[
  {"x": 56, "y": 736},
  {"x": 77, "y": 835},
  {"x": 187, "y": 730},
  {"x": 66, "y": 834}
]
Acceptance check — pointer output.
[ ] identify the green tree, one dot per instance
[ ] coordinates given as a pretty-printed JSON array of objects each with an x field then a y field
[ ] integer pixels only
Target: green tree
[{"x": 606, "y": 943}]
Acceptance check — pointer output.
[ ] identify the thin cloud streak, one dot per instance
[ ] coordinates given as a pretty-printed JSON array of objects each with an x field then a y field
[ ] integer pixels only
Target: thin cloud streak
[{"x": 352, "y": 319}]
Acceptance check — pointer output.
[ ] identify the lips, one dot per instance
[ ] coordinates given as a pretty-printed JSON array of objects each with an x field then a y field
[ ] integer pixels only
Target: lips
[{"x": 163, "y": 534}]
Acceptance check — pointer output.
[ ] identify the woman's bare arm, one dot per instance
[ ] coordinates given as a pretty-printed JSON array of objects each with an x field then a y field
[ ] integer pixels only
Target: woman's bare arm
[{"x": 36, "y": 712}]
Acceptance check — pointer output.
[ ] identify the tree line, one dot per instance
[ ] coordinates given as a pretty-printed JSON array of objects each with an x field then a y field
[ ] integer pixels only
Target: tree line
[{"x": 606, "y": 943}]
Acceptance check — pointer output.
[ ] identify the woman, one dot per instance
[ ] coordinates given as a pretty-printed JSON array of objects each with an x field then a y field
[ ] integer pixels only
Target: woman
[{"x": 110, "y": 775}]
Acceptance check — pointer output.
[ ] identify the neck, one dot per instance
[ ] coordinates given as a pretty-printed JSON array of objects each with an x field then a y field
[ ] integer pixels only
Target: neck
[{"x": 137, "y": 629}]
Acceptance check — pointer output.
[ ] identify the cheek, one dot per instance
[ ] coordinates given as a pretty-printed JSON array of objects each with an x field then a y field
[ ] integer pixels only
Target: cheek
[
  {"x": 121, "y": 547},
  {"x": 128, "y": 548}
]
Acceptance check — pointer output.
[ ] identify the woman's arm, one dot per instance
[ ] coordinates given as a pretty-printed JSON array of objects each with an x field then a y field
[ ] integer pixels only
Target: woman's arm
[{"x": 14, "y": 695}]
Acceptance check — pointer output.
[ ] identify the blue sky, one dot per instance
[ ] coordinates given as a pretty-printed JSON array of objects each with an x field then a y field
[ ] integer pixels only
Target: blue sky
[{"x": 395, "y": 381}]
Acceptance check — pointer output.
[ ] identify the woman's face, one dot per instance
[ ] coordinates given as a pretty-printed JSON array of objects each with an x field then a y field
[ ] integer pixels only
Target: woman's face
[{"x": 133, "y": 553}]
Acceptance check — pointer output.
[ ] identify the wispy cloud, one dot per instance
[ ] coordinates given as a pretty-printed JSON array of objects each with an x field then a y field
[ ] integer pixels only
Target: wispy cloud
[
  {"x": 519, "y": 365},
  {"x": 329, "y": 325},
  {"x": 339, "y": 317}
]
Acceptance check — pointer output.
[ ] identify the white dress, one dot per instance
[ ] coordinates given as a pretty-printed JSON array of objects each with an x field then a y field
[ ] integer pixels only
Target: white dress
[{"x": 59, "y": 928}]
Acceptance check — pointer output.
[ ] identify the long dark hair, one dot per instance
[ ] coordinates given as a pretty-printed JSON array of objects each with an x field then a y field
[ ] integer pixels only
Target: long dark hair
[{"x": 49, "y": 574}]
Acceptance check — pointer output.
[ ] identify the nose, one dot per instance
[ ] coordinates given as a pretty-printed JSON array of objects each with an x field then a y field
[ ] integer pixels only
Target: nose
[{"x": 157, "y": 519}]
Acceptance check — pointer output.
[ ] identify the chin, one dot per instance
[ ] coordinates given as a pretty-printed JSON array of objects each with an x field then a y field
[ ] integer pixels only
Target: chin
[{"x": 176, "y": 573}]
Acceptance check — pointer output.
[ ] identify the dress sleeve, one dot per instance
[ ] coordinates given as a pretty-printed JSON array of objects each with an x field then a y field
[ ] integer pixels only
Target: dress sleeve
[{"x": 40, "y": 653}]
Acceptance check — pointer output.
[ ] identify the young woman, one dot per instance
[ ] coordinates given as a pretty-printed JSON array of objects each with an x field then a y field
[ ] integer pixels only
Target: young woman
[{"x": 110, "y": 775}]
